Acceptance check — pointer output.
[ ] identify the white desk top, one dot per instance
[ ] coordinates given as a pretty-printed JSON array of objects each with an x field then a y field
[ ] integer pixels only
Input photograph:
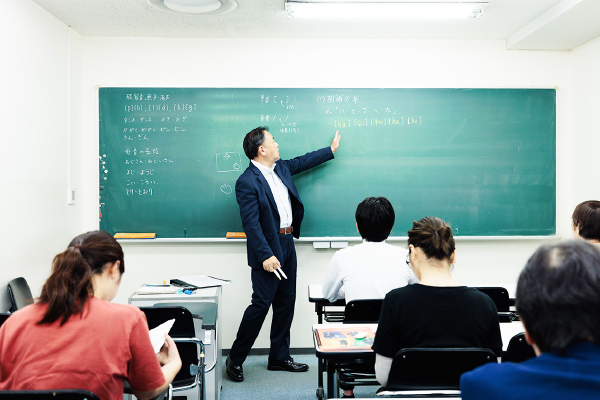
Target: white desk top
[{"x": 210, "y": 292}]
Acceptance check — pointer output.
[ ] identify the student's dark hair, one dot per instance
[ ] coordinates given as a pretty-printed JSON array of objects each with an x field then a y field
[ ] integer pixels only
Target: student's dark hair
[
  {"x": 433, "y": 236},
  {"x": 558, "y": 295},
  {"x": 375, "y": 218},
  {"x": 586, "y": 217},
  {"x": 253, "y": 139},
  {"x": 70, "y": 284}
]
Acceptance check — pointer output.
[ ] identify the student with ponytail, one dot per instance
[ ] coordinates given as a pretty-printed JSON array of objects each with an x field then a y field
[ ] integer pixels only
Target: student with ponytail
[
  {"x": 74, "y": 338},
  {"x": 437, "y": 312}
]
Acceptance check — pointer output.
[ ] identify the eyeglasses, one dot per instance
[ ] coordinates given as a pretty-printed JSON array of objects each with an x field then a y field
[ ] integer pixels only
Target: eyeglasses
[{"x": 408, "y": 259}]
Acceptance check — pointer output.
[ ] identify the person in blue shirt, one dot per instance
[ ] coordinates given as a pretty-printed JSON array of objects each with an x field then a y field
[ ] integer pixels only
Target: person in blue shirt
[{"x": 558, "y": 298}]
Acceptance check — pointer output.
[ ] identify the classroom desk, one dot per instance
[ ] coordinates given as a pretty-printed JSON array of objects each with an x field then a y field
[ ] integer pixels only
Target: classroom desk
[
  {"x": 315, "y": 295},
  {"x": 327, "y": 360}
]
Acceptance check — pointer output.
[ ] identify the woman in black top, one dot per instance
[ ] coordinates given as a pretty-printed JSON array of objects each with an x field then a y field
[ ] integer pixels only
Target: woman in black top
[{"x": 438, "y": 312}]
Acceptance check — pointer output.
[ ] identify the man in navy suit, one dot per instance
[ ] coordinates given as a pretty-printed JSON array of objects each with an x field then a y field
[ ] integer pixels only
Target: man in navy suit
[
  {"x": 271, "y": 212},
  {"x": 558, "y": 298}
]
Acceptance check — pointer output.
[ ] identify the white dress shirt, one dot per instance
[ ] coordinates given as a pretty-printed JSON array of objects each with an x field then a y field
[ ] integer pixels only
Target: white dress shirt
[
  {"x": 280, "y": 194},
  {"x": 367, "y": 271}
]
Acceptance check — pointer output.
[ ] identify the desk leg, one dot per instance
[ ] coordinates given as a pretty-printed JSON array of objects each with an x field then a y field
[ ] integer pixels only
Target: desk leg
[
  {"x": 336, "y": 382},
  {"x": 320, "y": 389},
  {"x": 319, "y": 311},
  {"x": 331, "y": 393}
]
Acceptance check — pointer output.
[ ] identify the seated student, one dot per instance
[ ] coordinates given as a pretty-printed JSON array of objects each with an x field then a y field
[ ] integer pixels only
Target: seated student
[
  {"x": 373, "y": 268},
  {"x": 586, "y": 221},
  {"x": 74, "y": 338},
  {"x": 438, "y": 312},
  {"x": 558, "y": 298}
]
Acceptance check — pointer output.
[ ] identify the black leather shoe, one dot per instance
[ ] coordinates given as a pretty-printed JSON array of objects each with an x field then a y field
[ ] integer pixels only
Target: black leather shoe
[
  {"x": 234, "y": 371},
  {"x": 288, "y": 365}
]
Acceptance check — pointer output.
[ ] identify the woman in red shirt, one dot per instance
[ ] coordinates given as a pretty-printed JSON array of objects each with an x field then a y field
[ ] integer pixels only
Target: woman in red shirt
[{"x": 74, "y": 338}]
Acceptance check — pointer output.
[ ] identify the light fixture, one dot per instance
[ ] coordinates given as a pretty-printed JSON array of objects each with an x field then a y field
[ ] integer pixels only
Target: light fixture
[
  {"x": 385, "y": 9},
  {"x": 195, "y": 7}
]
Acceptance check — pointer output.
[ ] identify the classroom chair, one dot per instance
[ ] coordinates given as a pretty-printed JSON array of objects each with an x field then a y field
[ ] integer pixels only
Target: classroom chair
[
  {"x": 499, "y": 296},
  {"x": 357, "y": 311},
  {"x": 166, "y": 395},
  {"x": 191, "y": 349},
  {"x": 434, "y": 370},
  {"x": 205, "y": 313},
  {"x": 63, "y": 394},
  {"x": 362, "y": 311},
  {"x": 3, "y": 317},
  {"x": 518, "y": 349},
  {"x": 360, "y": 372},
  {"x": 67, "y": 394},
  {"x": 333, "y": 313},
  {"x": 19, "y": 294}
]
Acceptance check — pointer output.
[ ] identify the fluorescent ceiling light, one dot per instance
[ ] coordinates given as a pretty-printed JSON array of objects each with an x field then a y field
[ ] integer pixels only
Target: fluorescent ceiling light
[{"x": 361, "y": 10}]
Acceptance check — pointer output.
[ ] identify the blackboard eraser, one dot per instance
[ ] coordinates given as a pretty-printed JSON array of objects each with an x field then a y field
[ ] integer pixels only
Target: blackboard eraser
[
  {"x": 235, "y": 235},
  {"x": 135, "y": 236}
]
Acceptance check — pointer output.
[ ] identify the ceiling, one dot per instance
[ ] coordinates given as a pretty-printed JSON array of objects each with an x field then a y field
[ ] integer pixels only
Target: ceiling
[{"x": 524, "y": 24}]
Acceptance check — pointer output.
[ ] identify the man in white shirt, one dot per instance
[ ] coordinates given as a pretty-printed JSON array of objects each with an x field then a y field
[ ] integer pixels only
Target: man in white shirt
[{"x": 373, "y": 268}]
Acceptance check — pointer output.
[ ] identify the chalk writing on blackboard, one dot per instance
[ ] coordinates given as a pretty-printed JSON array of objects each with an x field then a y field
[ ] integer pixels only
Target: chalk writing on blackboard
[
  {"x": 225, "y": 188},
  {"x": 364, "y": 122},
  {"x": 140, "y": 182},
  {"x": 283, "y": 101},
  {"x": 229, "y": 161},
  {"x": 337, "y": 99},
  {"x": 139, "y": 192}
]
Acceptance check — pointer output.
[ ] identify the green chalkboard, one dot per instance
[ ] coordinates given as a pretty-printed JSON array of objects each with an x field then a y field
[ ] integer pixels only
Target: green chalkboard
[{"x": 482, "y": 159}]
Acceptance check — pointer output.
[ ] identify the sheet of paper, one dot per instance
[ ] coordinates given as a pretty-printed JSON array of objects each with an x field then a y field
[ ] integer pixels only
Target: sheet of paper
[{"x": 157, "y": 335}]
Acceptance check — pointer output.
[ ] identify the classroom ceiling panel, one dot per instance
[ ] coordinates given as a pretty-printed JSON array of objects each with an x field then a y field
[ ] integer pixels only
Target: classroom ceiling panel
[
  {"x": 501, "y": 19},
  {"x": 563, "y": 27}
]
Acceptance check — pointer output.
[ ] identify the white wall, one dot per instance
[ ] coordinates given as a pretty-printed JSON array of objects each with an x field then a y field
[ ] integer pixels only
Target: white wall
[
  {"x": 35, "y": 220},
  {"x": 586, "y": 122},
  {"x": 313, "y": 63},
  {"x": 37, "y": 223}
]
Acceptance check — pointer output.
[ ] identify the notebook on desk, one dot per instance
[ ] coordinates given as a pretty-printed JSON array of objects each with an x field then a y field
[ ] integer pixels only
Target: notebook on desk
[{"x": 352, "y": 338}]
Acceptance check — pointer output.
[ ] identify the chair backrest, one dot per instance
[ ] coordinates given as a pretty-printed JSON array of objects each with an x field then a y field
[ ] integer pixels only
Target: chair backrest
[
  {"x": 64, "y": 394},
  {"x": 3, "y": 317},
  {"x": 184, "y": 323},
  {"x": 362, "y": 311},
  {"x": 434, "y": 368},
  {"x": 166, "y": 395},
  {"x": 19, "y": 294},
  {"x": 518, "y": 349},
  {"x": 182, "y": 328},
  {"x": 499, "y": 296}
]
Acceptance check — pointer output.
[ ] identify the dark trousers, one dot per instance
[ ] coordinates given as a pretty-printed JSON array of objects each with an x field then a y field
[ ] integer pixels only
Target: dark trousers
[{"x": 269, "y": 291}]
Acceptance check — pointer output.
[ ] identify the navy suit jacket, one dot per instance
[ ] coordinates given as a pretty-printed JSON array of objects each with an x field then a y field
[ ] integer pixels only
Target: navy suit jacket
[{"x": 258, "y": 209}]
